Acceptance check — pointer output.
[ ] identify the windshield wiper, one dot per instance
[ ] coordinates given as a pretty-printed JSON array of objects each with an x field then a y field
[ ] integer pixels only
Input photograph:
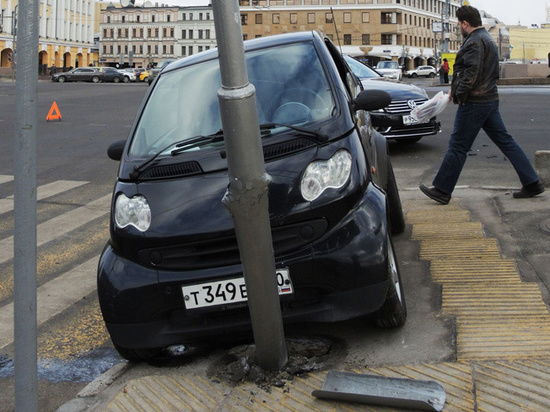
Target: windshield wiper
[
  {"x": 265, "y": 130},
  {"x": 179, "y": 147}
]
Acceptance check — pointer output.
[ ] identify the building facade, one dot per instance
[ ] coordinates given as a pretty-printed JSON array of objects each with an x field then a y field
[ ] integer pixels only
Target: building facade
[
  {"x": 142, "y": 36},
  {"x": 408, "y": 31},
  {"x": 66, "y": 33}
]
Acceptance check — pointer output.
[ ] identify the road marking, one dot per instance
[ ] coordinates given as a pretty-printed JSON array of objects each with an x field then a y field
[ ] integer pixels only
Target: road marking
[
  {"x": 5, "y": 178},
  {"x": 54, "y": 297},
  {"x": 61, "y": 225},
  {"x": 45, "y": 191}
]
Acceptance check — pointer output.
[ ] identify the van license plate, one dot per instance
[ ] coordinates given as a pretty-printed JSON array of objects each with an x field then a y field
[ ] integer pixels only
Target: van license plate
[{"x": 227, "y": 291}]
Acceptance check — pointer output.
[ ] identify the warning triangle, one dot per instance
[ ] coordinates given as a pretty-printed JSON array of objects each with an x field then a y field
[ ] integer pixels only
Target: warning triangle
[{"x": 54, "y": 112}]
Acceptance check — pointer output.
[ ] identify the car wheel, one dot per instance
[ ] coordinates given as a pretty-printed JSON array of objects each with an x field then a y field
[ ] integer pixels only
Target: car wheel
[
  {"x": 61, "y": 79},
  {"x": 431, "y": 75},
  {"x": 414, "y": 75},
  {"x": 116, "y": 80},
  {"x": 95, "y": 79},
  {"x": 395, "y": 209},
  {"x": 393, "y": 312},
  {"x": 137, "y": 355},
  {"x": 126, "y": 79}
]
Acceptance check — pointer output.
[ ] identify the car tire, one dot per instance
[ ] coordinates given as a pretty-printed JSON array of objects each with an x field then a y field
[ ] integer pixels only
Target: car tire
[
  {"x": 126, "y": 79},
  {"x": 61, "y": 79},
  {"x": 116, "y": 80},
  {"x": 393, "y": 312},
  {"x": 137, "y": 355},
  {"x": 431, "y": 75},
  {"x": 396, "y": 217},
  {"x": 414, "y": 75},
  {"x": 95, "y": 79}
]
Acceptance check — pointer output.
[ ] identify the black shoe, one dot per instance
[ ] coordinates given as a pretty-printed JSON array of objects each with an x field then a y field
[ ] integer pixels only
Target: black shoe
[
  {"x": 530, "y": 190},
  {"x": 436, "y": 194}
]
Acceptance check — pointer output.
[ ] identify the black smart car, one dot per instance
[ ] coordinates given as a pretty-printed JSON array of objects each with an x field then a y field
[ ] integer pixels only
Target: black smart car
[{"x": 171, "y": 272}]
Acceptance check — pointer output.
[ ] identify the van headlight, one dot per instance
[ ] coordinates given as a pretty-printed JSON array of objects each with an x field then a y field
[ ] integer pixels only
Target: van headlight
[
  {"x": 133, "y": 211},
  {"x": 324, "y": 174}
]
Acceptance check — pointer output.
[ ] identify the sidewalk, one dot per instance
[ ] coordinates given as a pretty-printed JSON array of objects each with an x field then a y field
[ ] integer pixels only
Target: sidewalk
[{"x": 493, "y": 290}]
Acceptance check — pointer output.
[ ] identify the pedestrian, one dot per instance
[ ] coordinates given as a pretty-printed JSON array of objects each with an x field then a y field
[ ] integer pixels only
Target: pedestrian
[
  {"x": 445, "y": 68},
  {"x": 474, "y": 89},
  {"x": 441, "y": 75}
]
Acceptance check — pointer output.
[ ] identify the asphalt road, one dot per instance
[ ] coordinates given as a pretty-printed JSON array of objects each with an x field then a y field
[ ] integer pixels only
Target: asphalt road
[{"x": 77, "y": 178}]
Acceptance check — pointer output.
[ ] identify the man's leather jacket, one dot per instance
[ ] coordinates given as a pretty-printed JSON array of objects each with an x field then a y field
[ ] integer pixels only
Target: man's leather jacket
[{"x": 475, "y": 72}]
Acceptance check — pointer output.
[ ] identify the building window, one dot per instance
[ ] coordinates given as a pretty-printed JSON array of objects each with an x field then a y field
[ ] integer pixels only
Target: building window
[
  {"x": 200, "y": 34},
  {"x": 134, "y": 32},
  {"x": 111, "y": 49},
  {"x": 119, "y": 33},
  {"x": 385, "y": 18},
  {"x": 164, "y": 49},
  {"x": 311, "y": 18},
  {"x": 168, "y": 18},
  {"x": 171, "y": 49},
  {"x": 347, "y": 17},
  {"x": 207, "y": 16},
  {"x": 126, "y": 31},
  {"x": 108, "y": 19},
  {"x": 149, "y": 32},
  {"x": 365, "y": 39},
  {"x": 366, "y": 17},
  {"x": 141, "y": 49},
  {"x": 347, "y": 39},
  {"x": 200, "y": 16},
  {"x": 119, "y": 48},
  {"x": 164, "y": 32},
  {"x": 171, "y": 32},
  {"x": 244, "y": 19},
  {"x": 157, "y": 33},
  {"x": 183, "y": 50},
  {"x": 126, "y": 49},
  {"x": 328, "y": 18},
  {"x": 141, "y": 33},
  {"x": 183, "y": 18},
  {"x": 190, "y": 16},
  {"x": 293, "y": 18},
  {"x": 276, "y": 18},
  {"x": 387, "y": 39},
  {"x": 258, "y": 19},
  {"x": 207, "y": 33},
  {"x": 190, "y": 34},
  {"x": 138, "y": 18},
  {"x": 148, "y": 49},
  {"x": 104, "y": 33},
  {"x": 123, "y": 19},
  {"x": 183, "y": 34},
  {"x": 190, "y": 50},
  {"x": 104, "y": 49},
  {"x": 156, "y": 49},
  {"x": 200, "y": 49},
  {"x": 153, "y": 18}
]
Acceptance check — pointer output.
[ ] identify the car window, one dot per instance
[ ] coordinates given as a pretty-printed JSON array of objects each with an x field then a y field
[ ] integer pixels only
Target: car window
[
  {"x": 291, "y": 88},
  {"x": 359, "y": 69}
]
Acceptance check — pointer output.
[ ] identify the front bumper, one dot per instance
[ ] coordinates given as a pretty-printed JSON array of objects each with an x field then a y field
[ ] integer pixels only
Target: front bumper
[
  {"x": 392, "y": 126},
  {"x": 340, "y": 276}
]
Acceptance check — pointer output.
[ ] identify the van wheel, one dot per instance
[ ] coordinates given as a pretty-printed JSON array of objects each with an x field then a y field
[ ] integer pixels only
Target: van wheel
[
  {"x": 393, "y": 312},
  {"x": 395, "y": 209},
  {"x": 137, "y": 355}
]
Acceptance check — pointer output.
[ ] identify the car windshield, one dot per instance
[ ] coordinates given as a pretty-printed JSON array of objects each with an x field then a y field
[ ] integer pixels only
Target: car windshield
[
  {"x": 387, "y": 65},
  {"x": 291, "y": 88},
  {"x": 359, "y": 69}
]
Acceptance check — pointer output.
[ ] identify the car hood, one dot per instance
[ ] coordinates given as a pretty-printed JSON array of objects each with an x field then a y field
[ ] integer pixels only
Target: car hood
[{"x": 397, "y": 90}]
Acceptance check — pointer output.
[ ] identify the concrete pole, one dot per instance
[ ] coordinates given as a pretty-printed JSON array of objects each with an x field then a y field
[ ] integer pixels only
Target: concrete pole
[
  {"x": 24, "y": 296},
  {"x": 247, "y": 194}
]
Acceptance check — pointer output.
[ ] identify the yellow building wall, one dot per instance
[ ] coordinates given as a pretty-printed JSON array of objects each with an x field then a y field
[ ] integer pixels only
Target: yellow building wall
[{"x": 529, "y": 44}]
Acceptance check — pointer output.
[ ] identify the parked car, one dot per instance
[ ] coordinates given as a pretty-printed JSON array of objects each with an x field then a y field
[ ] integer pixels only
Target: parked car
[
  {"x": 114, "y": 75},
  {"x": 428, "y": 71},
  {"x": 390, "y": 69},
  {"x": 171, "y": 271},
  {"x": 156, "y": 70},
  {"x": 80, "y": 74},
  {"x": 395, "y": 121},
  {"x": 143, "y": 76},
  {"x": 131, "y": 73}
]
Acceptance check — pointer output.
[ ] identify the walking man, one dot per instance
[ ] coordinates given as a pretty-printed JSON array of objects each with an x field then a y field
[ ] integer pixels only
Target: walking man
[{"x": 474, "y": 89}]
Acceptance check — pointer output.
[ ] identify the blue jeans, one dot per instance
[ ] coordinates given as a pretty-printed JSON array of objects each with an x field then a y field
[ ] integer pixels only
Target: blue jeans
[{"x": 470, "y": 119}]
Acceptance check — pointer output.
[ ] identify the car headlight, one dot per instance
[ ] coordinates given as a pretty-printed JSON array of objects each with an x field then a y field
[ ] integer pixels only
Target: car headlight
[
  {"x": 133, "y": 211},
  {"x": 324, "y": 174}
]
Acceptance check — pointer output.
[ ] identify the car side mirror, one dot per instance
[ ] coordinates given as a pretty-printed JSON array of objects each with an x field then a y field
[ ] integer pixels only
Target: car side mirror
[
  {"x": 371, "y": 100},
  {"x": 116, "y": 149}
]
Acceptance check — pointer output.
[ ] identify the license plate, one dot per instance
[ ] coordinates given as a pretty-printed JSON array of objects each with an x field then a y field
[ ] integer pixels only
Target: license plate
[
  {"x": 408, "y": 120},
  {"x": 227, "y": 291}
]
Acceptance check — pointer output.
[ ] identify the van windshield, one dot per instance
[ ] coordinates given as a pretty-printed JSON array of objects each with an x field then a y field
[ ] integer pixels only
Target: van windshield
[{"x": 291, "y": 88}]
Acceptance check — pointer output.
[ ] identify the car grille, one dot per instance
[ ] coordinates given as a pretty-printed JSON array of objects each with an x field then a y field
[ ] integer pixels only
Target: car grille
[
  {"x": 423, "y": 129},
  {"x": 223, "y": 251},
  {"x": 402, "y": 106}
]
